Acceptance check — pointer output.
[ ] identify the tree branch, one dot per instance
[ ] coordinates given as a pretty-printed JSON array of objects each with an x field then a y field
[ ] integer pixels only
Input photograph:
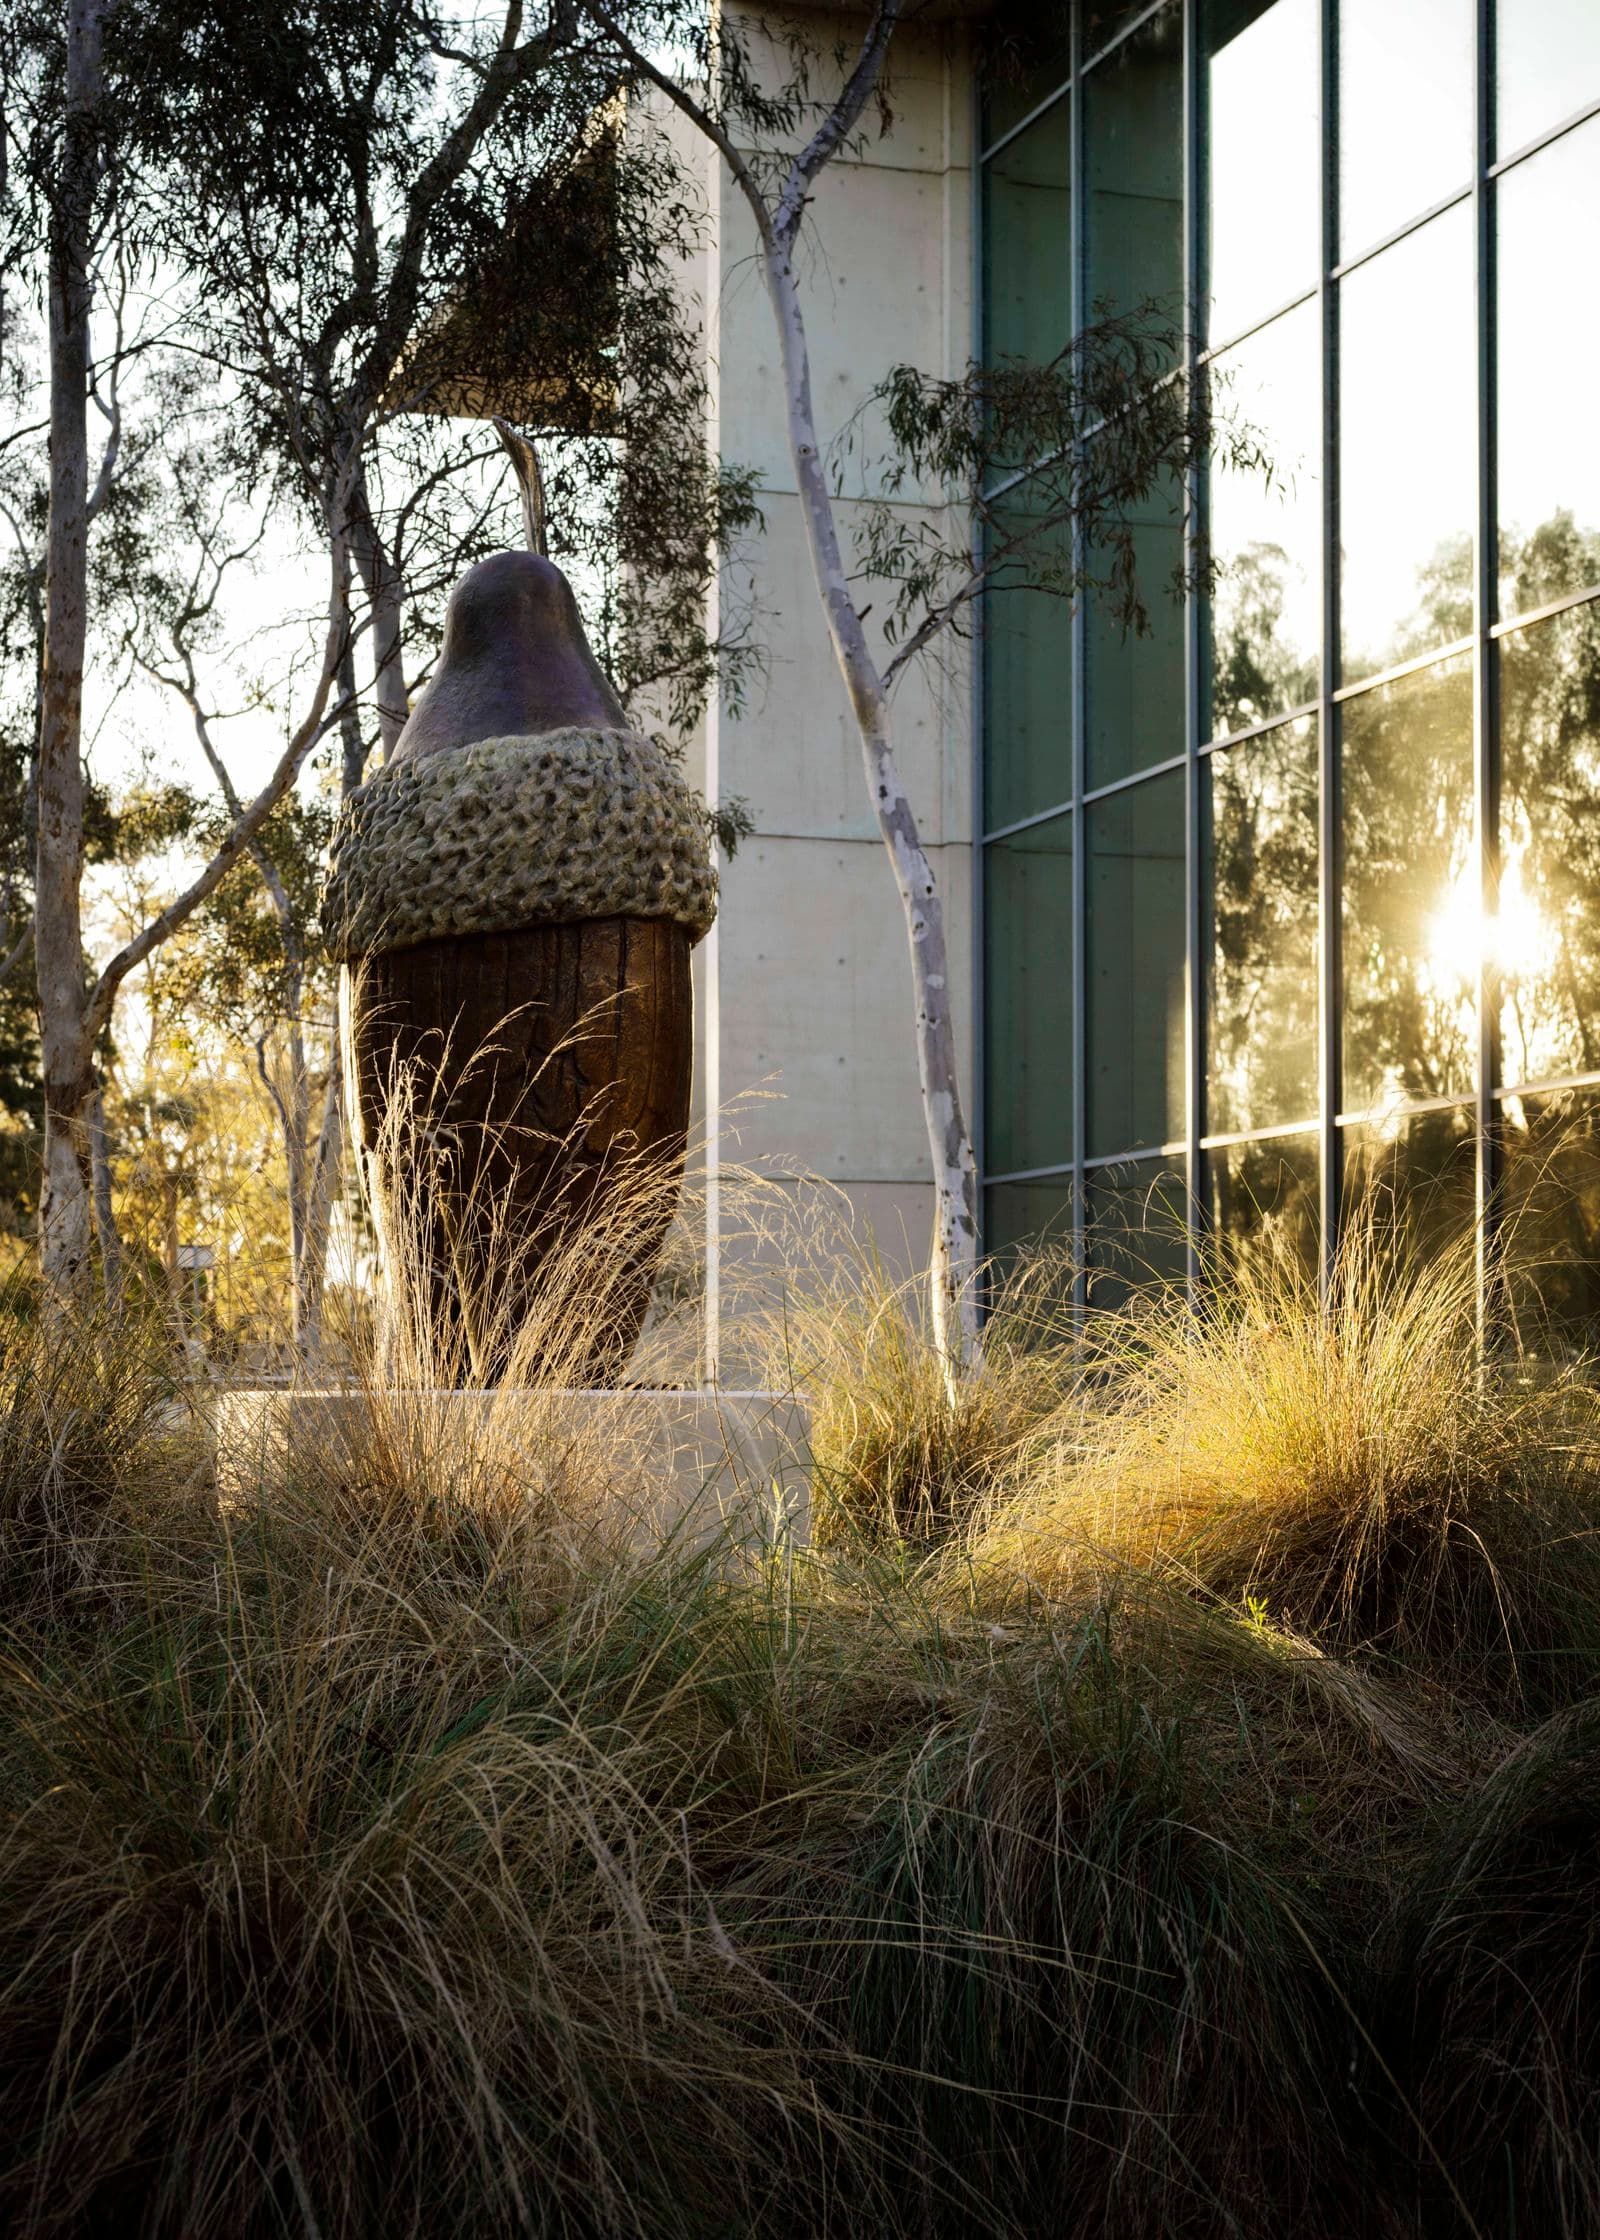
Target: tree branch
[
  {"x": 103, "y": 994},
  {"x": 841, "y": 119}
]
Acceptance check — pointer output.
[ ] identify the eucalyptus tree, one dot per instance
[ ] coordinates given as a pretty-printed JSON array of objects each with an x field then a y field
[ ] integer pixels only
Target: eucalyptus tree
[
  {"x": 370, "y": 222},
  {"x": 1101, "y": 430}
]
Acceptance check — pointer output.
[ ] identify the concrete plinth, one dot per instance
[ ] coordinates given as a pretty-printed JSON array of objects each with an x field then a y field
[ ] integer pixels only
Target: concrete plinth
[{"x": 654, "y": 1462}]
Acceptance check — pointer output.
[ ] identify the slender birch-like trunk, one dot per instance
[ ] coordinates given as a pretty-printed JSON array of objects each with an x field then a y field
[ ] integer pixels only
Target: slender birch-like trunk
[
  {"x": 953, "y": 1270},
  {"x": 380, "y": 579},
  {"x": 311, "y": 1270},
  {"x": 65, "y": 1036},
  {"x": 954, "y": 1263}
]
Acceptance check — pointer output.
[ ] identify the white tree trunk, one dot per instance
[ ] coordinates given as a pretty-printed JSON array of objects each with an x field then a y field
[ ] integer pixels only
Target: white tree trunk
[
  {"x": 953, "y": 1272},
  {"x": 311, "y": 1269},
  {"x": 65, "y": 1036}
]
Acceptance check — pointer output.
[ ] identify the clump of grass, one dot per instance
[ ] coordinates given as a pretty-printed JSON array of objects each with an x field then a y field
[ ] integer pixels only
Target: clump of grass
[
  {"x": 96, "y": 1429},
  {"x": 1355, "y": 1465},
  {"x": 1142, "y": 1816},
  {"x": 1496, "y": 1962},
  {"x": 898, "y": 1449}
]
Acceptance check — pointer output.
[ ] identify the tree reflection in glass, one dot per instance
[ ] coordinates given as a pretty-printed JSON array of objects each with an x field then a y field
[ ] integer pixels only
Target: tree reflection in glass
[
  {"x": 1411, "y": 893},
  {"x": 1261, "y": 895},
  {"x": 1135, "y": 940},
  {"x": 1550, "y": 1227},
  {"x": 1266, "y": 536},
  {"x": 1546, "y": 939},
  {"x": 1414, "y": 1179},
  {"x": 1264, "y": 1201}
]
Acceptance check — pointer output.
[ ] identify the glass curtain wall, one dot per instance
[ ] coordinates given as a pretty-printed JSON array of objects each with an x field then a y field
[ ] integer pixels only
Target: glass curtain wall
[{"x": 1298, "y": 897}]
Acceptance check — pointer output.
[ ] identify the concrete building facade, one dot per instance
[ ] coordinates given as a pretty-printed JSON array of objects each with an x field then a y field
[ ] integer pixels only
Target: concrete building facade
[{"x": 1288, "y": 905}]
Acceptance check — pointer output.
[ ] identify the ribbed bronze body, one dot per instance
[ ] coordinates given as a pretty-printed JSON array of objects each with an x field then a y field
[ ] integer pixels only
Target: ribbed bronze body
[
  {"x": 521, "y": 1092},
  {"x": 547, "y": 1078}
]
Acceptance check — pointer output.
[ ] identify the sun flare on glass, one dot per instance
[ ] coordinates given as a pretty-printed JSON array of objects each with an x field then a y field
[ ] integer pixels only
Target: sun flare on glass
[{"x": 1516, "y": 938}]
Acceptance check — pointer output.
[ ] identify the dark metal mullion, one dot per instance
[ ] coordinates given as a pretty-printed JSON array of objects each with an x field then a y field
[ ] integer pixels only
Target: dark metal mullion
[
  {"x": 1329, "y": 869},
  {"x": 1076, "y": 243},
  {"x": 1195, "y": 612},
  {"x": 1485, "y": 725},
  {"x": 978, "y": 728}
]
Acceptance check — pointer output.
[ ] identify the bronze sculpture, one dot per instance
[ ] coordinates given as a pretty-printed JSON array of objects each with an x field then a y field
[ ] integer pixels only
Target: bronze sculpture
[{"x": 514, "y": 898}]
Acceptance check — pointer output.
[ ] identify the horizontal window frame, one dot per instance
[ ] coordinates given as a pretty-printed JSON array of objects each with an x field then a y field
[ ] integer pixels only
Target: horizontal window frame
[{"x": 1543, "y": 140}]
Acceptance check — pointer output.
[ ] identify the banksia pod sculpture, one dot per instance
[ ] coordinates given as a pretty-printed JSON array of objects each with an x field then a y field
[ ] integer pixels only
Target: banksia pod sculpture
[{"x": 514, "y": 898}]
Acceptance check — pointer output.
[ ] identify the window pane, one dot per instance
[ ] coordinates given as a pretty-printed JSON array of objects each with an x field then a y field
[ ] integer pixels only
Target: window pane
[
  {"x": 1138, "y": 1224},
  {"x": 1551, "y": 1226},
  {"x": 1136, "y": 966},
  {"x": 1028, "y": 997},
  {"x": 1261, "y": 1004},
  {"x": 1264, "y": 145},
  {"x": 1133, "y": 157},
  {"x": 1266, "y": 537},
  {"x": 1022, "y": 63},
  {"x": 1027, "y": 680},
  {"x": 1413, "y": 926},
  {"x": 1549, "y": 56},
  {"x": 1134, "y": 684},
  {"x": 1028, "y": 1213},
  {"x": 1549, "y": 346},
  {"x": 1264, "y": 1201},
  {"x": 1547, "y": 937},
  {"x": 1103, "y": 19},
  {"x": 1407, "y": 445},
  {"x": 1414, "y": 1179},
  {"x": 1027, "y": 236},
  {"x": 1405, "y": 112}
]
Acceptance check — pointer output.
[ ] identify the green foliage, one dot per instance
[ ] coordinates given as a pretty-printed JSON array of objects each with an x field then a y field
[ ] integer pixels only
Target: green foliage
[{"x": 1101, "y": 433}]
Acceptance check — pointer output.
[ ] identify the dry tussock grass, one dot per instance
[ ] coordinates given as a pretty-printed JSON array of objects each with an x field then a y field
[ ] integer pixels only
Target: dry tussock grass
[{"x": 1161, "y": 1807}]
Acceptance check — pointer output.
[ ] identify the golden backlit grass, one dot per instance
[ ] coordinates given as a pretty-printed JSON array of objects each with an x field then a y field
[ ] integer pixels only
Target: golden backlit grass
[{"x": 1164, "y": 1804}]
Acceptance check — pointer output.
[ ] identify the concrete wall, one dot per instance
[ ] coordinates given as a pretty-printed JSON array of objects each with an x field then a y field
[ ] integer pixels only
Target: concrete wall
[{"x": 804, "y": 988}]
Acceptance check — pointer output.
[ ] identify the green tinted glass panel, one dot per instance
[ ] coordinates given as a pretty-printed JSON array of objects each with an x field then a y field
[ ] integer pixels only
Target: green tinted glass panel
[
  {"x": 1030, "y": 1223},
  {"x": 1407, "y": 446},
  {"x": 1027, "y": 675},
  {"x": 1412, "y": 1180},
  {"x": 1266, "y": 528},
  {"x": 1263, "y": 1204},
  {"x": 1261, "y": 893},
  {"x": 1546, "y": 938},
  {"x": 1024, "y": 55},
  {"x": 1135, "y": 966},
  {"x": 1549, "y": 65},
  {"x": 1133, "y": 172},
  {"x": 1103, "y": 20},
  {"x": 1028, "y": 997},
  {"x": 1549, "y": 346},
  {"x": 1264, "y": 157},
  {"x": 1134, "y": 679},
  {"x": 1405, "y": 112},
  {"x": 1137, "y": 1230},
  {"x": 1551, "y": 1221},
  {"x": 1027, "y": 235},
  {"x": 1413, "y": 925}
]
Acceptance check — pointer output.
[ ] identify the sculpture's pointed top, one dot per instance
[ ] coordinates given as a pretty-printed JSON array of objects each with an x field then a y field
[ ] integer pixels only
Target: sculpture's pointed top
[
  {"x": 514, "y": 662},
  {"x": 530, "y": 482}
]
